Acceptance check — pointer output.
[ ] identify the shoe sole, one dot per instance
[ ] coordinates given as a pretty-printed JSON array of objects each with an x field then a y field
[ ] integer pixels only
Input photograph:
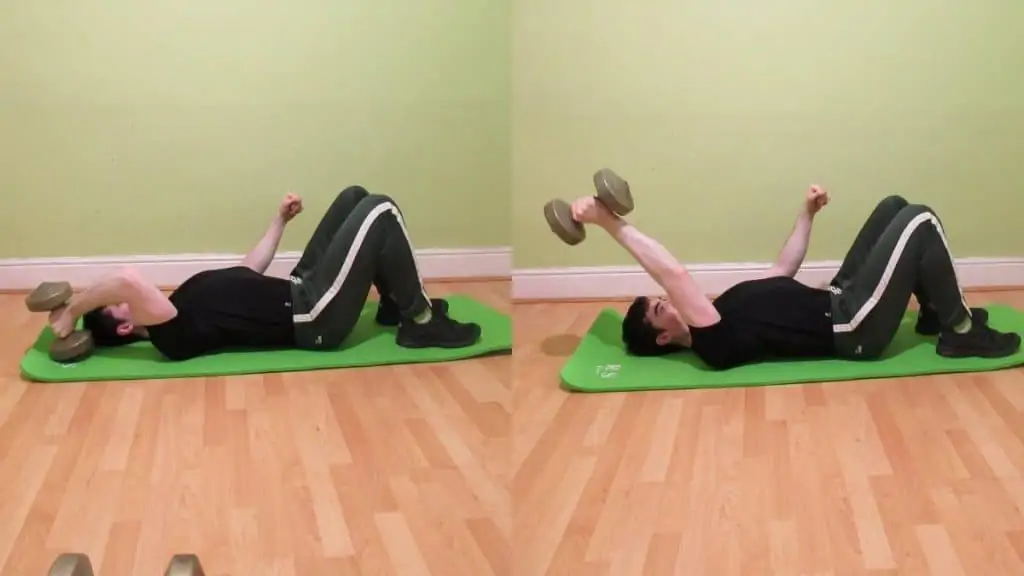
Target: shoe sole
[
  {"x": 464, "y": 343},
  {"x": 445, "y": 345},
  {"x": 988, "y": 353}
]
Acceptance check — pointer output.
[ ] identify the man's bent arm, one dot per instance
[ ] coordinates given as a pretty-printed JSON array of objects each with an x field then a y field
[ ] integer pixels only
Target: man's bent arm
[
  {"x": 261, "y": 255},
  {"x": 148, "y": 304},
  {"x": 791, "y": 257},
  {"x": 693, "y": 305}
]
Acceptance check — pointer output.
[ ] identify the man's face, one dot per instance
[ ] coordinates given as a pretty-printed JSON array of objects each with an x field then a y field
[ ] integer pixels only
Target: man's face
[{"x": 663, "y": 316}]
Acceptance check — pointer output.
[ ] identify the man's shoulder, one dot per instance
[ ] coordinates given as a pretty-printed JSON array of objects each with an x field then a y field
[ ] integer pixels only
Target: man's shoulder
[
  {"x": 723, "y": 344},
  {"x": 180, "y": 338}
]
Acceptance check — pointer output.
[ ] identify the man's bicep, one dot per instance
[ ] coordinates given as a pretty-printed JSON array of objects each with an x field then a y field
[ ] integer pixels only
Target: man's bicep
[
  {"x": 694, "y": 306},
  {"x": 779, "y": 269},
  {"x": 149, "y": 305}
]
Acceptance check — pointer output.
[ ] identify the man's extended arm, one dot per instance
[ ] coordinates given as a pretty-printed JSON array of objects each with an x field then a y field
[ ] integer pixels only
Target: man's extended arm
[
  {"x": 693, "y": 305},
  {"x": 261, "y": 255},
  {"x": 791, "y": 258},
  {"x": 148, "y": 304},
  {"x": 795, "y": 249}
]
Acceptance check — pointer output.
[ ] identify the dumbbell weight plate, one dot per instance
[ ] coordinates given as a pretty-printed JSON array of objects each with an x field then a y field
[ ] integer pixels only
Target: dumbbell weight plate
[
  {"x": 184, "y": 565},
  {"x": 613, "y": 191},
  {"x": 77, "y": 346},
  {"x": 49, "y": 296},
  {"x": 558, "y": 213},
  {"x": 71, "y": 565}
]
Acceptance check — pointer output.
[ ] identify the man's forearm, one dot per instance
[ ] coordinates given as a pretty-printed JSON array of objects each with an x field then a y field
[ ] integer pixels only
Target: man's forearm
[
  {"x": 649, "y": 253},
  {"x": 663, "y": 267},
  {"x": 260, "y": 257},
  {"x": 793, "y": 252},
  {"x": 106, "y": 291}
]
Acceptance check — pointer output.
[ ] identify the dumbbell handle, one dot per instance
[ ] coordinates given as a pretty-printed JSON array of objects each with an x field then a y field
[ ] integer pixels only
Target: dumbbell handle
[{"x": 611, "y": 209}]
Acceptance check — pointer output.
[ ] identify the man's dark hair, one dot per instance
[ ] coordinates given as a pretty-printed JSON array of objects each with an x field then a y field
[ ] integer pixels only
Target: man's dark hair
[
  {"x": 103, "y": 327},
  {"x": 640, "y": 337}
]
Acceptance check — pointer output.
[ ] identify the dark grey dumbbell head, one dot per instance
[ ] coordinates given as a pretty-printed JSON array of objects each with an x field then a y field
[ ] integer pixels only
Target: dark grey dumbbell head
[
  {"x": 184, "y": 565},
  {"x": 69, "y": 564},
  {"x": 558, "y": 213},
  {"x": 78, "y": 346},
  {"x": 613, "y": 191},
  {"x": 49, "y": 296}
]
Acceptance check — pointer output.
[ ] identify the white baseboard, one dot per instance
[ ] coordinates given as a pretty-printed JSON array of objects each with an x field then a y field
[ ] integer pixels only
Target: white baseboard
[
  {"x": 173, "y": 269},
  {"x": 625, "y": 281}
]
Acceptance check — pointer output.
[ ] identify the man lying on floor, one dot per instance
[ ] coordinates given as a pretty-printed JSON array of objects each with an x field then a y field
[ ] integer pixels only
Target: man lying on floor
[
  {"x": 901, "y": 250},
  {"x": 361, "y": 241}
]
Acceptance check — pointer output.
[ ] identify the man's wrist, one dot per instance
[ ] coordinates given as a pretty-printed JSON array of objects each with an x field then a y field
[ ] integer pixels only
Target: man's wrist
[
  {"x": 74, "y": 308},
  {"x": 611, "y": 223}
]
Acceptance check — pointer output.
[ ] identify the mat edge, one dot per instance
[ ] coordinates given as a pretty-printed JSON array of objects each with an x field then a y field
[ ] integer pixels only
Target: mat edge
[{"x": 497, "y": 352}]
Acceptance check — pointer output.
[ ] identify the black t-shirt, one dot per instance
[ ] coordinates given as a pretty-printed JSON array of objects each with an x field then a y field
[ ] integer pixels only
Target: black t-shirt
[
  {"x": 226, "y": 308},
  {"x": 776, "y": 317}
]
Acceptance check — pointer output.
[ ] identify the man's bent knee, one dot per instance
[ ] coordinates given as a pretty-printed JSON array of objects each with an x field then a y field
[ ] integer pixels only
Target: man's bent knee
[
  {"x": 382, "y": 198},
  {"x": 914, "y": 210},
  {"x": 895, "y": 200},
  {"x": 356, "y": 193},
  {"x": 379, "y": 199}
]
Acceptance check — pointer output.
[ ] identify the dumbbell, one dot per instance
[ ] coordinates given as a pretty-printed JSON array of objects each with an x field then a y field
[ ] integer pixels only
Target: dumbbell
[
  {"x": 50, "y": 296},
  {"x": 71, "y": 565},
  {"x": 612, "y": 191},
  {"x": 79, "y": 565},
  {"x": 184, "y": 565}
]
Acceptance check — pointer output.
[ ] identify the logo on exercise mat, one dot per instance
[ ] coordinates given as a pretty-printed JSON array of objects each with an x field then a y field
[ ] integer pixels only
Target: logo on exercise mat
[{"x": 608, "y": 370}]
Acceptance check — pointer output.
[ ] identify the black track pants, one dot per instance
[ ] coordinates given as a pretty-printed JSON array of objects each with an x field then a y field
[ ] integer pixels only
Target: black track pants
[
  {"x": 900, "y": 251},
  {"x": 360, "y": 241}
]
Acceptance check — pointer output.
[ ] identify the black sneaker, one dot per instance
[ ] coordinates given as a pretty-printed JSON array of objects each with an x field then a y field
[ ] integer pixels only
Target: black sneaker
[
  {"x": 928, "y": 320},
  {"x": 981, "y": 341},
  {"x": 388, "y": 315},
  {"x": 440, "y": 332}
]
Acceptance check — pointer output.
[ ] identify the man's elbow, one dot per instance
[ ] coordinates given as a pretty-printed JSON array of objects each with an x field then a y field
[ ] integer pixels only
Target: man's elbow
[
  {"x": 128, "y": 277},
  {"x": 783, "y": 269},
  {"x": 148, "y": 302}
]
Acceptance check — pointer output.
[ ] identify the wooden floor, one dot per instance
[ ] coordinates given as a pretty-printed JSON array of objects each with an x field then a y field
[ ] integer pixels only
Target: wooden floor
[
  {"x": 434, "y": 469},
  {"x": 398, "y": 470},
  {"x": 910, "y": 476}
]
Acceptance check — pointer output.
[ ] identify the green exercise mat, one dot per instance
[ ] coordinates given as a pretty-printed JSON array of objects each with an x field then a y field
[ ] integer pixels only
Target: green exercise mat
[
  {"x": 369, "y": 345},
  {"x": 600, "y": 363}
]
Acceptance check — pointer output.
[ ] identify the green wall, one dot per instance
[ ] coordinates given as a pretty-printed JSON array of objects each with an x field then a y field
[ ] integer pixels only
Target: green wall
[
  {"x": 720, "y": 114},
  {"x": 134, "y": 128},
  {"x": 169, "y": 127}
]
